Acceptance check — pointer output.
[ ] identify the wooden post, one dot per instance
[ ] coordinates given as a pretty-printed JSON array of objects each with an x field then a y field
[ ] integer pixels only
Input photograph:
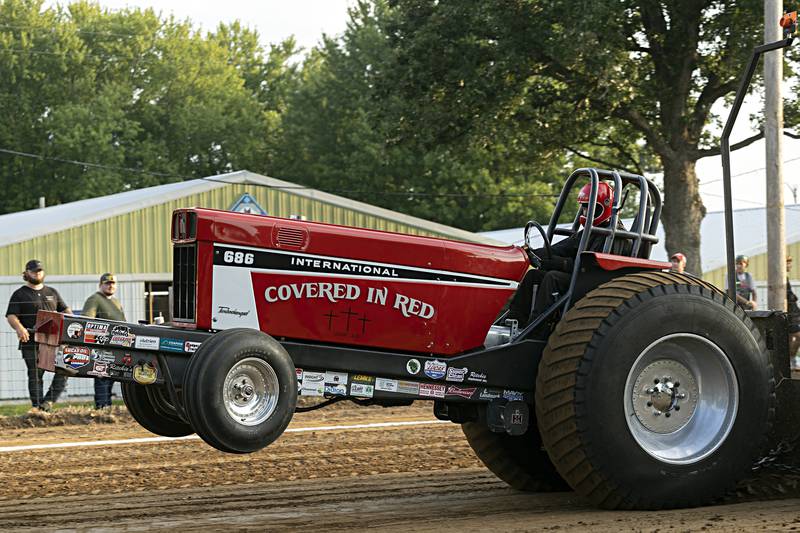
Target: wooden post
[{"x": 773, "y": 110}]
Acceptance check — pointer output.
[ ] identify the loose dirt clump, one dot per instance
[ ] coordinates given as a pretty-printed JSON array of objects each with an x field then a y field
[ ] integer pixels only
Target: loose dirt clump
[{"x": 67, "y": 416}]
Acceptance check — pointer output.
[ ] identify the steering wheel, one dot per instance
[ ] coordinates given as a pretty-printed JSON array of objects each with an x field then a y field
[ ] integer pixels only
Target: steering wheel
[{"x": 535, "y": 260}]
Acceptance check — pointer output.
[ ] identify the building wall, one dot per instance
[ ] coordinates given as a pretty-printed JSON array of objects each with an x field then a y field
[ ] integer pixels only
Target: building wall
[
  {"x": 74, "y": 291},
  {"x": 758, "y": 267},
  {"x": 138, "y": 242}
]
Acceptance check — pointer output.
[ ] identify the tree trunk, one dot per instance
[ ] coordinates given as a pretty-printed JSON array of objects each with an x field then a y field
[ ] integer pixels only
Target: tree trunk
[{"x": 683, "y": 211}]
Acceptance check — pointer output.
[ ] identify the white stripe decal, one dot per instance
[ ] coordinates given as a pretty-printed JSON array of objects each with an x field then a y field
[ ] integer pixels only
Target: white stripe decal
[
  {"x": 510, "y": 282},
  {"x": 148, "y": 440}
]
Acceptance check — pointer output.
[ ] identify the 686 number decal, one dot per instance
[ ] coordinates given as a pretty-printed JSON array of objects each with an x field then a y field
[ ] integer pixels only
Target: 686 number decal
[{"x": 238, "y": 258}]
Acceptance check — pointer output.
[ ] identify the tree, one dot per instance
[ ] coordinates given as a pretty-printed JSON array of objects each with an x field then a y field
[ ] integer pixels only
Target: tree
[
  {"x": 631, "y": 78},
  {"x": 339, "y": 135},
  {"x": 144, "y": 100}
]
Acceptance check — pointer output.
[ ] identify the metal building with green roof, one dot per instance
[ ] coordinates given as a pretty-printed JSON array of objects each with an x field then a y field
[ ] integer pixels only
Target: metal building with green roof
[{"x": 129, "y": 234}]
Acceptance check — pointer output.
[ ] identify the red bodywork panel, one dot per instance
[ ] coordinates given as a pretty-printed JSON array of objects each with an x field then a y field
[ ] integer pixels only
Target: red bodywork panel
[
  {"x": 616, "y": 262},
  {"x": 345, "y": 285}
]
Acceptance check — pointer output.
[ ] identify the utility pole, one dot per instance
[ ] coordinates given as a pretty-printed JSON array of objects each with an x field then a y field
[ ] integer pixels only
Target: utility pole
[{"x": 773, "y": 110}]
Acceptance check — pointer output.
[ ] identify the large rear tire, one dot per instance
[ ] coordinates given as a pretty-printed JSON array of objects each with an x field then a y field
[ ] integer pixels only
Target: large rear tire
[
  {"x": 655, "y": 391},
  {"x": 149, "y": 406},
  {"x": 520, "y": 461},
  {"x": 240, "y": 390}
]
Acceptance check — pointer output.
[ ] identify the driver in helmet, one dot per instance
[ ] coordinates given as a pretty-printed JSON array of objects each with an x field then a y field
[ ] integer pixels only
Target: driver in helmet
[{"x": 554, "y": 275}]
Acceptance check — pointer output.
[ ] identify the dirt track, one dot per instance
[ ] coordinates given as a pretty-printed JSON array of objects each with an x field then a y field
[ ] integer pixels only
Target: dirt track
[{"x": 402, "y": 478}]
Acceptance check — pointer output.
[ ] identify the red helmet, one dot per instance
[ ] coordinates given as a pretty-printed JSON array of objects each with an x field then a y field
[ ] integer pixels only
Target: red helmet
[{"x": 602, "y": 210}]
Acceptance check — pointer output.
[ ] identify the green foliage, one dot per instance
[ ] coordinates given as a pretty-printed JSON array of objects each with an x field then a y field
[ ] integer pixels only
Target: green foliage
[
  {"x": 624, "y": 82},
  {"x": 129, "y": 89},
  {"x": 341, "y": 135}
]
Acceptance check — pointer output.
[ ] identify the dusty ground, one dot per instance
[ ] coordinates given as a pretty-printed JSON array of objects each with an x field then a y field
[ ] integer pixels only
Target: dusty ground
[{"x": 416, "y": 478}]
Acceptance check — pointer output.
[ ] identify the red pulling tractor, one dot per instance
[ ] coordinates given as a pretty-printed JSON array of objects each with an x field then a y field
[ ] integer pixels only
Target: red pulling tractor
[{"x": 637, "y": 387}]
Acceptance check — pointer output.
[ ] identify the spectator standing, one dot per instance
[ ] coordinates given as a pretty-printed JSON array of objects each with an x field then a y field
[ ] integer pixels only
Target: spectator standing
[
  {"x": 25, "y": 302},
  {"x": 745, "y": 286},
  {"x": 103, "y": 304},
  {"x": 678, "y": 261},
  {"x": 794, "y": 313}
]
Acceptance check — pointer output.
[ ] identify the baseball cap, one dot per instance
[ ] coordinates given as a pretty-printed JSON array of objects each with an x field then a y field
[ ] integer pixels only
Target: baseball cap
[
  {"x": 108, "y": 276},
  {"x": 34, "y": 265},
  {"x": 742, "y": 259},
  {"x": 677, "y": 255}
]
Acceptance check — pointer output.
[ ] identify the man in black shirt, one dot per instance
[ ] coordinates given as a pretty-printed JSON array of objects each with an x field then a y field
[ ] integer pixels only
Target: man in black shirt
[{"x": 21, "y": 315}]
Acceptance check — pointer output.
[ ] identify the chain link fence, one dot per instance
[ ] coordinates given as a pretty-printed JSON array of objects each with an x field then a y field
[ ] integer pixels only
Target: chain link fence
[{"x": 136, "y": 300}]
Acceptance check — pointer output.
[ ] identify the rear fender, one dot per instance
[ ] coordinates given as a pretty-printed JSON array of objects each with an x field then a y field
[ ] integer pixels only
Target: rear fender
[{"x": 598, "y": 268}]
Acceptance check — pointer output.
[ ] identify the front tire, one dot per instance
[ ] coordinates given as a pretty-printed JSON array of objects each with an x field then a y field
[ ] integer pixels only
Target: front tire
[
  {"x": 655, "y": 391},
  {"x": 240, "y": 390}
]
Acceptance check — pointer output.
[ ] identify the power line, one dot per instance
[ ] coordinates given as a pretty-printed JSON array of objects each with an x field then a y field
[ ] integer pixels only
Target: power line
[
  {"x": 753, "y": 171},
  {"x": 277, "y": 187}
]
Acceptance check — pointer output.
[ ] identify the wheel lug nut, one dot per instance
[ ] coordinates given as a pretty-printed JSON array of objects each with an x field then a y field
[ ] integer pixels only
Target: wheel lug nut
[
  {"x": 677, "y": 407},
  {"x": 649, "y": 404},
  {"x": 656, "y": 381},
  {"x": 657, "y": 413},
  {"x": 666, "y": 414},
  {"x": 677, "y": 384}
]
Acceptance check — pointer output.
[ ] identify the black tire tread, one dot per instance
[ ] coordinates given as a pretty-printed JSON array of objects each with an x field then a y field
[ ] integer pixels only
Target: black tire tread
[
  {"x": 489, "y": 448},
  {"x": 586, "y": 322},
  {"x": 141, "y": 409}
]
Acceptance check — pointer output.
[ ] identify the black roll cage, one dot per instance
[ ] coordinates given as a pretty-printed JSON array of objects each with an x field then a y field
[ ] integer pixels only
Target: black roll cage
[{"x": 642, "y": 233}]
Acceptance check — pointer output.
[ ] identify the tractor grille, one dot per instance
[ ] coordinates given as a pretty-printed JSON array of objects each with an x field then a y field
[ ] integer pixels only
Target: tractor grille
[{"x": 184, "y": 282}]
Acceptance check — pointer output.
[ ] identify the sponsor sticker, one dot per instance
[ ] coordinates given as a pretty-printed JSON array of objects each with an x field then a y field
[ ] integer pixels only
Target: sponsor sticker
[
  {"x": 127, "y": 360},
  {"x": 120, "y": 371},
  {"x": 490, "y": 394},
  {"x": 122, "y": 336},
  {"x": 313, "y": 384},
  {"x": 76, "y": 356},
  {"x": 431, "y": 390},
  {"x": 362, "y": 390},
  {"x": 299, "y": 373},
  {"x": 435, "y": 369},
  {"x": 512, "y": 395},
  {"x": 413, "y": 367},
  {"x": 144, "y": 342},
  {"x": 478, "y": 377},
  {"x": 102, "y": 356},
  {"x": 465, "y": 393},
  {"x": 388, "y": 385},
  {"x": 95, "y": 333},
  {"x": 75, "y": 330},
  {"x": 190, "y": 346},
  {"x": 337, "y": 378},
  {"x": 408, "y": 387},
  {"x": 456, "y": 374},
  {"x": 170, "y": 345},
  {"x": 144, "y": 373},
  {"x": 336, "y": 390},
  {"x": 361, "y": 378},
  {"x": 99, "y": 369}
]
